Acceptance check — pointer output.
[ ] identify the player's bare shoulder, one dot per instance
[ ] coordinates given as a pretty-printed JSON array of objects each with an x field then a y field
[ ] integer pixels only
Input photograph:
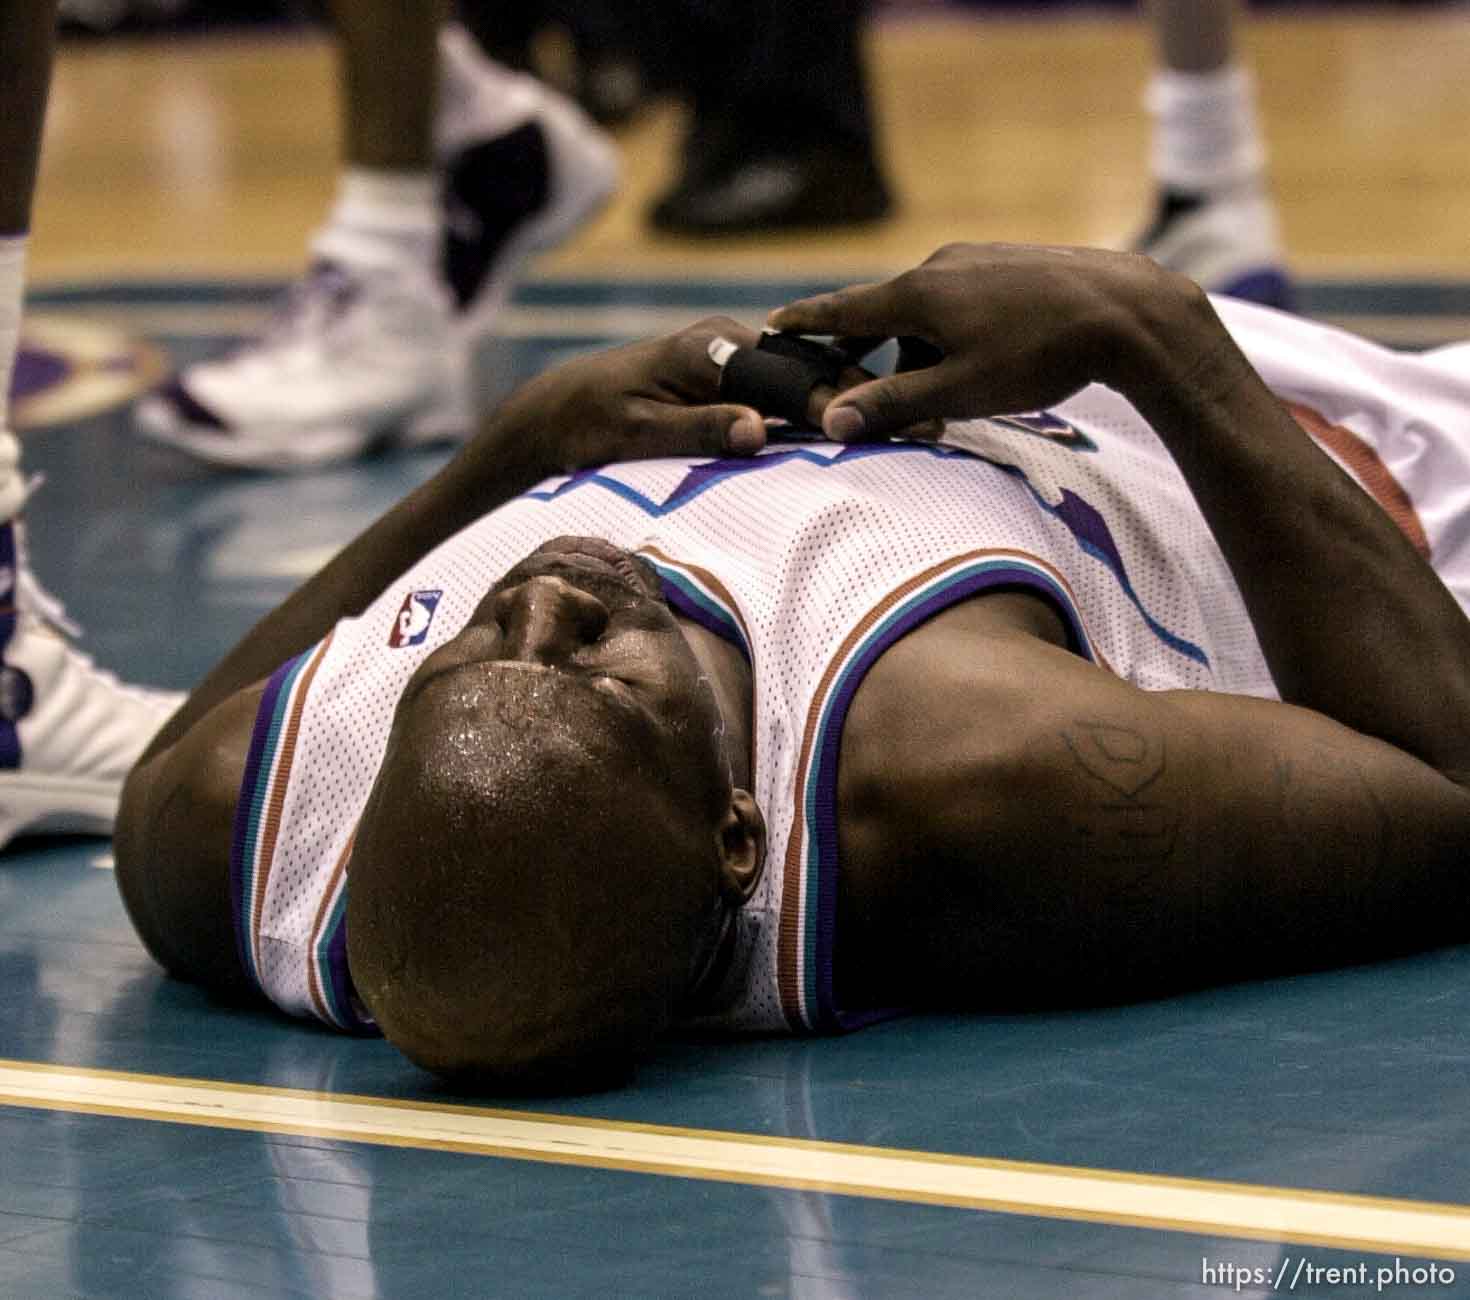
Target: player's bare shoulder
[
  {"x": 935, "y": 727},
  {"x": 172, "y": 843}
]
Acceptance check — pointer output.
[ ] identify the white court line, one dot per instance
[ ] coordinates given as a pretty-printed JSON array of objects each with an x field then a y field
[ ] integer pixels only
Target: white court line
[{"x": 1412, "y": 1228}]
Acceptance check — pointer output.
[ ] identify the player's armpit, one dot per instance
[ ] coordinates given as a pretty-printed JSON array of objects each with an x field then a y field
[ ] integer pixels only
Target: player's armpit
[
  {"x": 172, "y": 845},
  {"x": 1082, "y": 840}
]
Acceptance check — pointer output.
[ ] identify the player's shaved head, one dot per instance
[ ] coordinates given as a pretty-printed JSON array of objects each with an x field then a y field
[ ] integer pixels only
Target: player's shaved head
[{"x": 534, "y": 869}]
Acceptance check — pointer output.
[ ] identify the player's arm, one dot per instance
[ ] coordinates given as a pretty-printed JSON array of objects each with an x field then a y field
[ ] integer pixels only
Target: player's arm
[
  {"x": 1354, "y": 624},
  {"x": 1067, "y": 837}
]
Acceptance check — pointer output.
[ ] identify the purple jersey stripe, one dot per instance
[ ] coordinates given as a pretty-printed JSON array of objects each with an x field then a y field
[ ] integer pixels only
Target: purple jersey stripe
[{"x": 251, "y": 804}]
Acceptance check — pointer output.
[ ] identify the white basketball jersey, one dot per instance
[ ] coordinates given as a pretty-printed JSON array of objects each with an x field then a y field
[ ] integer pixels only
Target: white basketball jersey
[{"x": 813, "y": 559}]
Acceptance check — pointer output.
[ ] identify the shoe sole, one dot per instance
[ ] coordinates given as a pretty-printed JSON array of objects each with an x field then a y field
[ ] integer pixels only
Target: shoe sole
[
  {"x": 297, "y": 448},
  {"x": 55, "y": 806}
]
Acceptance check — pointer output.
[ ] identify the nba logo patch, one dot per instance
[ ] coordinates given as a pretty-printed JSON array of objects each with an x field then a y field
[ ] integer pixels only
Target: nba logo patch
[{"x": 411, "y": 626}]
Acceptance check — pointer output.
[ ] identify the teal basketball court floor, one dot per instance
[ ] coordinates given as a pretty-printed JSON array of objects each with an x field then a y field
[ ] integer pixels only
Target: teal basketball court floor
[{"x": 1307, "y": 1136}]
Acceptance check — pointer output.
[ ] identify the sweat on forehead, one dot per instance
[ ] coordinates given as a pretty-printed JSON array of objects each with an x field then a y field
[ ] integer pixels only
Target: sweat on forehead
[
  {"x": 521, "y": 812},
  {"x": 481, "y": 719}
]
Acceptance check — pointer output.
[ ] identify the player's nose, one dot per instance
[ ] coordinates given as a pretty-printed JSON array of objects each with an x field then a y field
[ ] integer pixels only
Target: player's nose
[{"x": 545, "y": 619}]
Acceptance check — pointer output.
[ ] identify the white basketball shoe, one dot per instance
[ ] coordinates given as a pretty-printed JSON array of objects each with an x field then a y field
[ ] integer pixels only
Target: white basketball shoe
[
  {"x": 368, "y": 349},
  {"x": 1227, "y": 242},
  {"x": 354, "y": 351},
  {"x": 69, "y": 732}
]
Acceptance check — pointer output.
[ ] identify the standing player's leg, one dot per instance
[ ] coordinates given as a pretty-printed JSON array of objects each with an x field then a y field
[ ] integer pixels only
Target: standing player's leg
[
  {"x": 1214, "y": 219},
  {"x": 455, "y": 170},
  {"x": 68, "y": 733}
]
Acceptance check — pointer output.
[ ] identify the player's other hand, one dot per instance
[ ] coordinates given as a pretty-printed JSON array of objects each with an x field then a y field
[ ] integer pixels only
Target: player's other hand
[
  {"x": 1012, "y": 327},
  {"x": 654, "y": 398}
]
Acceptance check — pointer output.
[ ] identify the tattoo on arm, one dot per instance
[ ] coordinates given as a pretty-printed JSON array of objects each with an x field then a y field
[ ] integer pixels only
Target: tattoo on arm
[
  {"x": 1121, "y": 818},
  {"x": 1289, "y": 856}
]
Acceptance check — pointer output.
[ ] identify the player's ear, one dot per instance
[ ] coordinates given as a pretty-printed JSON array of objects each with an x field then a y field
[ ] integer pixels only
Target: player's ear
[{"x": 742, "y": 848}]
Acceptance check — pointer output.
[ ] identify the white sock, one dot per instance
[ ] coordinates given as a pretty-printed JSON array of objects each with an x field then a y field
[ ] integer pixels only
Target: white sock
[
  {"x": 12, "y": 290},
  {"x": 1205, "y": 135},
  {"x": 384, "y": 216}
]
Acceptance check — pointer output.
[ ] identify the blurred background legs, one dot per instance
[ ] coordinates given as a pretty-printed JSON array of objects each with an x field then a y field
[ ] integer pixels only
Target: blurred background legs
[
  {"x": 455, "y": 171},
  {"x": 1213, "y": 219}
]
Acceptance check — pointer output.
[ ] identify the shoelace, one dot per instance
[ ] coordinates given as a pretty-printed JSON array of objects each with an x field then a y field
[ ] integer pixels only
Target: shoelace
[{"x": 320, "y": 297}]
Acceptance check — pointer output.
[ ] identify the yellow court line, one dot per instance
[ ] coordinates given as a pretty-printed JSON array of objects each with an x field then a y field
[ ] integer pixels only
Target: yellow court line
[{"x": 1402, "y": 1227}]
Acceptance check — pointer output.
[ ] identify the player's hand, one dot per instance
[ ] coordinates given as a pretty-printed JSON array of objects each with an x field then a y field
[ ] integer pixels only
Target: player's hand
[
  {"x": 647, "y": 399},
  {"x": 1017, "y": 328}
]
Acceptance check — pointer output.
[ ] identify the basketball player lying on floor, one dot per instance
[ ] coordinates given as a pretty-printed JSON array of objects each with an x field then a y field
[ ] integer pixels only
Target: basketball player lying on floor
[{"x": 1094, "y": 704}]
